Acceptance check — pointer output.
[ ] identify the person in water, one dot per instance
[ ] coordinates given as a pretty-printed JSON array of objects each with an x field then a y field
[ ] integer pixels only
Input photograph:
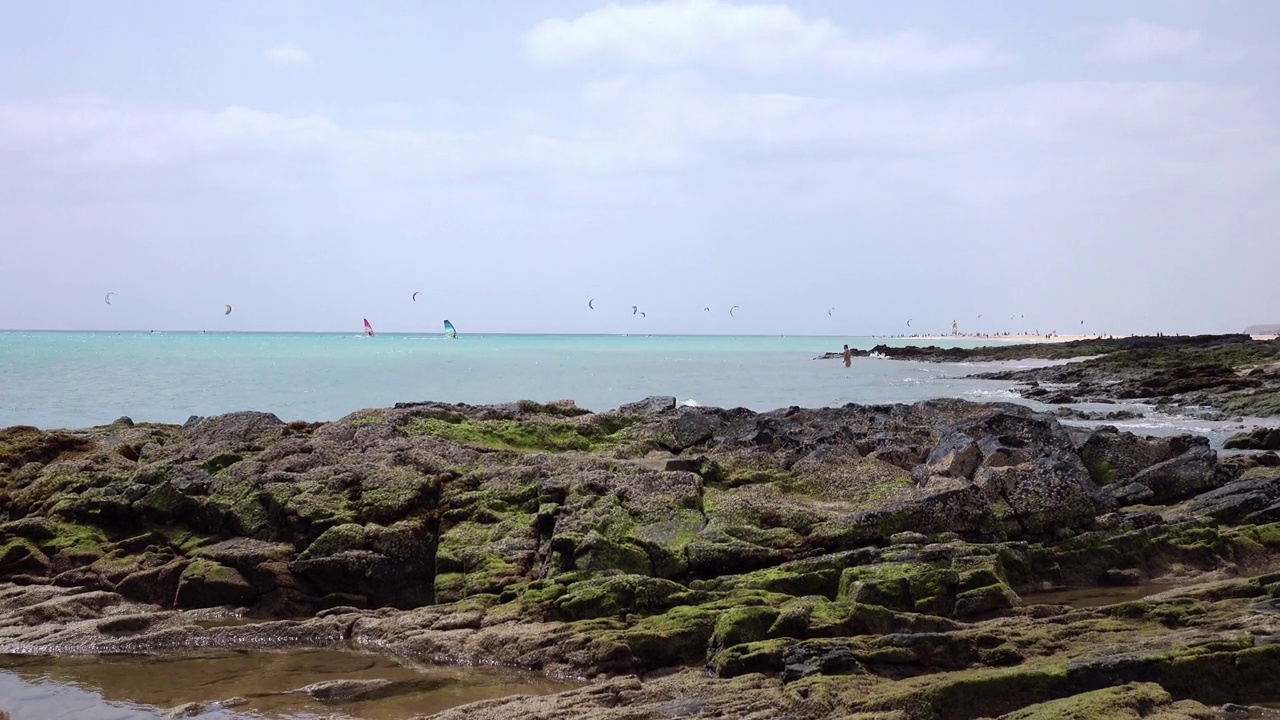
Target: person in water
[{"x": 848, "y": 356}]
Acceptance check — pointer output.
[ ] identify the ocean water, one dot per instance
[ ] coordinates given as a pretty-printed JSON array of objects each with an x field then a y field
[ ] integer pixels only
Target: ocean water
[{"x": 78, "y": 379}]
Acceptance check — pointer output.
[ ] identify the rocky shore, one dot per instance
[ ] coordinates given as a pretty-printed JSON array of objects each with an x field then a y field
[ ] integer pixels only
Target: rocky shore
[
  {"x": 854, "y": 562},
  {"x": 1221, "y": 375}
]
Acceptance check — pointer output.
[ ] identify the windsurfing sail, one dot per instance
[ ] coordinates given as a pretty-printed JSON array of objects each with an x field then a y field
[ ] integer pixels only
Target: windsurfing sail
[
  {"x": 731, "y": 311},
  {"x": 414, "y": 297},
  {"x": 449, "y": 332},
  {"x": 107, "y": 297},
  {"x": 591, "y": 303},
  {"x": 228, "y": 311},
  {"x": 368, "y": 329}
]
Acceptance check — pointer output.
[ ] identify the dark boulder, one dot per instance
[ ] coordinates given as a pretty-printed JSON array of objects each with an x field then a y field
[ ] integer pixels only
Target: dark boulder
[
  {"x": 1130, "y": 493},
  {"x": 693, "y": 429},
  {"x": 205, "y": 583},
  {"x": 238, "y": 431},
  {"x": 1112, "y": 456},
  {"x": 1045, "y": 497},
  {"x": 1253, "y": 500},
  {"x": 390, "y": 565},
  {"x": 1180, "y": 380},
  {"x": 1261, "y": 438},
  {"x": 653, "y": 405},
  {"x": 955, "y": 456},
  {"x": 1183, "y": 476},
  {"x": 830, "y": 658}
]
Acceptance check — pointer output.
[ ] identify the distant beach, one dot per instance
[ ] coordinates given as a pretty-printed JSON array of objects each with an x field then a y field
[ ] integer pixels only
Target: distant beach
[{"x": 1014, "y": 338}]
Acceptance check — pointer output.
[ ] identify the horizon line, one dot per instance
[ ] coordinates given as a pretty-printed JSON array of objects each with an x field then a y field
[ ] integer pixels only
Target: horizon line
[{"x": 427, "y": 333}]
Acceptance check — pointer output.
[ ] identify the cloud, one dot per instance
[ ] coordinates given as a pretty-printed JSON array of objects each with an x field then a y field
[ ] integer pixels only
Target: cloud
[
  {"x": 286, "y": 55},
  {"x": 975, "y": 148},
  {"x": 754, "y": 38},
  {"x": 1113, "y": 184},
  {"x": 1134, "y": 41}
]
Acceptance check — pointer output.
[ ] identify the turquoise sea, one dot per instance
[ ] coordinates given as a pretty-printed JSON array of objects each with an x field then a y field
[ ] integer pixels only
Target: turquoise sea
[{"x": 78, "y": 379}]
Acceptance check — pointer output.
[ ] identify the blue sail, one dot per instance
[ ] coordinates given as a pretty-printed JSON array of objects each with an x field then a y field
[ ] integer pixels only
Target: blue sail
[{"x": 449, "y": 332}]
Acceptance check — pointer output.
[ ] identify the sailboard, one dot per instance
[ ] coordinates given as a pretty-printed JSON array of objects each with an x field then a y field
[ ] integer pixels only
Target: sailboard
[
  {"x": 368, "y": 329},
  {"x": 449, "y": 332}
]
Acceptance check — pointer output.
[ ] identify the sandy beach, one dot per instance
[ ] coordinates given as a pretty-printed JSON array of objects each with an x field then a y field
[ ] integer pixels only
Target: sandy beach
[
  {"x": 1029, "y": 338},
  {"x": 1018, "y": 338}
]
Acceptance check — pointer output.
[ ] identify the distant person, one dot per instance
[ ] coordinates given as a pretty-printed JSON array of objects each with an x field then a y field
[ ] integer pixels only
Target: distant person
[{"x": 848, "y": 356}]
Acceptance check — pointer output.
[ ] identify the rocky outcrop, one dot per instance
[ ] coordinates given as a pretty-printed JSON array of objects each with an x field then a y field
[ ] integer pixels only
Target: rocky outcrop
[
  {"x": 1261, "y": 438},
  {"x": 1232, "y": 374},
  {"x": 1148, "y": 344},
  {"x": 882, "y": 560}
]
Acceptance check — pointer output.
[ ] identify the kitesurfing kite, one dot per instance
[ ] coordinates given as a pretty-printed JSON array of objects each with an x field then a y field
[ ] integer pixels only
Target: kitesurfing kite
[
  {"x": 731, "y": 311},
  {"x": 643, "y": 315},
  {"x": 908, "y": 322},
  {"x": 706, "y": 309},
  {"x": 449, "y": 332},
  {"x": 368, "y": 329},
  {"x": 228, "y": 310},
  {"x": 591, "y": 303},
  {"x": 414, "y": 297},
  {"x": 830, "y": 310},
  {"x": 108, "y": 297},
  {"x": 634, "y": 309}
]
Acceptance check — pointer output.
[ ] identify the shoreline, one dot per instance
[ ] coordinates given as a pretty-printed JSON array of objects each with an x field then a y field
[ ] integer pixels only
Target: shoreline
[
  {"x": 1023, "y": 338},
  {"x": 1211, "y": 376}
]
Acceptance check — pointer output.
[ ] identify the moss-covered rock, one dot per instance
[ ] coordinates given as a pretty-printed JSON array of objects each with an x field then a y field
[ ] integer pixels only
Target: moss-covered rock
[
  {"x": 23, "y": 444},
  {"x": 743, "y": 625},
  {"x": 543, "y": 436},
  {"x": 908, "y": 586},
  {"x": 1123, "y": 702},
  {"x": 388, "y": 494},
  {"x": 618, "y": 595},
  {"x": 474, "y": 557},
  {"x": 205, "y": 583},
  {"x": 792, "y": 549},
  {"x": 391, "y": 565}
]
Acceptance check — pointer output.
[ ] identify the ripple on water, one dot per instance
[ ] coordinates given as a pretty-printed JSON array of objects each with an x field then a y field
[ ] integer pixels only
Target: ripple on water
[
  {"x": 269, "y": 684},
  {"x": 1085, "y": 597}
]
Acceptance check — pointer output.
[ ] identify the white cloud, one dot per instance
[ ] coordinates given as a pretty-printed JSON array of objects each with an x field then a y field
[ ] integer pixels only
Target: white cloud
[
  {"x": 1137, "y": 41},
  {"x": 287, "y": 54},
  {"x": 1023, "y": 138},
  {"x": 975, "y": 147},
  {"x": 754, "y": 38},
  {"x": 1125, "y": 180}
]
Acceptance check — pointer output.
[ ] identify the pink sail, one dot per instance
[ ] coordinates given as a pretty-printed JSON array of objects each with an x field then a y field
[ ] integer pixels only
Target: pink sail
[{"x": 368, "y": 329}]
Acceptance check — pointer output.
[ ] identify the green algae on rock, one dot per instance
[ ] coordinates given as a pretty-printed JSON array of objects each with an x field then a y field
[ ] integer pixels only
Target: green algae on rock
[{"x": 856, "y": 561}]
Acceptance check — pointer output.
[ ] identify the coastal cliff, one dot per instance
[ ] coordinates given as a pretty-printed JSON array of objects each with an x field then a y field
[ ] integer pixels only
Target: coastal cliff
[{"x": 859, "y": 562}]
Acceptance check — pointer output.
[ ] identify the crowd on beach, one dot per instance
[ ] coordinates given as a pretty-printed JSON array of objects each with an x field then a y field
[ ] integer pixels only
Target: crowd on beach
[{"x": 1020, "y": 337}]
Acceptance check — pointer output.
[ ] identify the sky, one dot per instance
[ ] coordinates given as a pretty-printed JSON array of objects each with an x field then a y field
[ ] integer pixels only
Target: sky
[{"x": 830, "y": 167}]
